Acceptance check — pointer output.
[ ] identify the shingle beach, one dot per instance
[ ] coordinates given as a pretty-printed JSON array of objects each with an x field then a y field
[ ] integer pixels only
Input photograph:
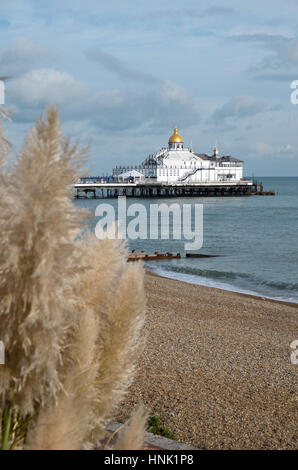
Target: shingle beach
[{"x": 216, "y": 367}]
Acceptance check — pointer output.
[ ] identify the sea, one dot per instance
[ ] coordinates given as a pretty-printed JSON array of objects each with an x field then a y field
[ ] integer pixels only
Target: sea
[{"x": 254, "y": 241}]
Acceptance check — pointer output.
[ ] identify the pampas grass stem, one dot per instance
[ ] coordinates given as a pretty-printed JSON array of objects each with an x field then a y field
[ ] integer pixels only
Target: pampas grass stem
[{"x": 6, "y": 425}]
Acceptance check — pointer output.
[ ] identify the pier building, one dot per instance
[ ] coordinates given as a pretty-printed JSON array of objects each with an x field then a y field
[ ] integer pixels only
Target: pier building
[{"x": 179, "y": 164}]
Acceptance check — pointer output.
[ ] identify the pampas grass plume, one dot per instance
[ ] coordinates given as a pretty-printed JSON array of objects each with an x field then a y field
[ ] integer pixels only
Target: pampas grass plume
[{"x": 71, "y": 309}]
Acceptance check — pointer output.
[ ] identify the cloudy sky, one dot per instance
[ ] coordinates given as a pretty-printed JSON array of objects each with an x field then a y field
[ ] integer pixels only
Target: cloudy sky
[{"x": 124, "y": 72}]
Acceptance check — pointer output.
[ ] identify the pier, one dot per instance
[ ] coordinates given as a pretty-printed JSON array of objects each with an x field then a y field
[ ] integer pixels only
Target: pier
[
  {"x": 174, "y": 171},
  {"x": 168, "y": 190}
]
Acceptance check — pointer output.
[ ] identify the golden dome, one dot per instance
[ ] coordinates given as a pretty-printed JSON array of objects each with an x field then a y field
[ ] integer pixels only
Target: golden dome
[{"x": 175, "y": 137}]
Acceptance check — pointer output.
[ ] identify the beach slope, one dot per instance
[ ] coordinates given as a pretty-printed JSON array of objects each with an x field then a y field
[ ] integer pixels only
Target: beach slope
[{"x": 216, "y": 367}]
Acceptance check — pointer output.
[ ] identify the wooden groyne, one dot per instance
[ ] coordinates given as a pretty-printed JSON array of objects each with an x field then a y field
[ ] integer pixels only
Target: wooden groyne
[
  {"x": 142, "y": 256},
  {"x": 133, "y": 256},
  {"x": 199, "y": 255}
]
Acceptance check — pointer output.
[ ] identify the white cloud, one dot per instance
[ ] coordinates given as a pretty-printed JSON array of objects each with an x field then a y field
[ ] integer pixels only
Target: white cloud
[
  {"x": 110, "y": 111},
  {"x": 262, "y": 149},
  {"x": 218, "y": 11},
  {"x": 287, "y": 151},
  {"x": 239, "y": 107},
  {"x": 128, "y": 102},
  {"x": 42, "y": 86},
  {"x": 281, "y": 60},
  {"x": 119, "y": 67},
  {"x": 173, "y": 93},
  {"x": 21, "y": 56},
  {"x": 289, "y": 52}
]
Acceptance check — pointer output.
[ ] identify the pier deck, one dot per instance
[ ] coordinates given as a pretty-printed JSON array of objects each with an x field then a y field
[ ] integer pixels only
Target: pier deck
[{"x": 113, "y": 190}]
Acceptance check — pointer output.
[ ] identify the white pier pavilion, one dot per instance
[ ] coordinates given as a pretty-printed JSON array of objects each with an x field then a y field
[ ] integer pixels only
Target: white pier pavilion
[{"x": 179, "y": 164}]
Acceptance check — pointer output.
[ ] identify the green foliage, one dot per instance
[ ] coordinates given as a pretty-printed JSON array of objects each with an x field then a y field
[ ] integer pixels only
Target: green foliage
[{"x": 154, "y": 425}]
